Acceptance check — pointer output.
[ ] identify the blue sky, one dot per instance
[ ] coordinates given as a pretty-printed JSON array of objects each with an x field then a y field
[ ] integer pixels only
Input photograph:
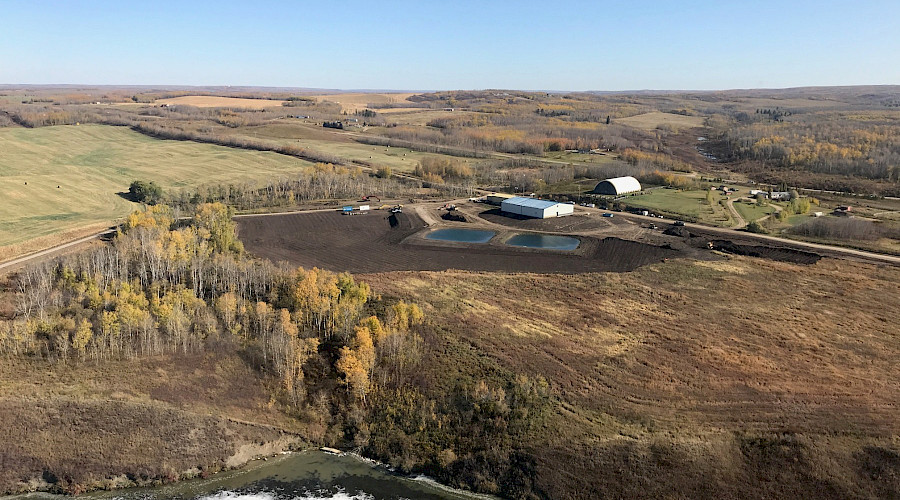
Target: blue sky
[{"x": 431, "y": 45}]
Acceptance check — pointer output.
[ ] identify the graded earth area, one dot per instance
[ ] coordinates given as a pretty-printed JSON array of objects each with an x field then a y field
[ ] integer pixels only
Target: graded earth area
[
  {"x": 58, "y": 179},
  {"x": 380, "y": 241}
]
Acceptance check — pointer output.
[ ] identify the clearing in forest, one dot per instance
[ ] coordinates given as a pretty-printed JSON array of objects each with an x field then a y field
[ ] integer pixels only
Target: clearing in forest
[{"x": 650, "y": 121}]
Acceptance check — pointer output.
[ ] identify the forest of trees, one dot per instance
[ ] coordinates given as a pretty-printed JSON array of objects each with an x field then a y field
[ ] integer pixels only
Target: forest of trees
[
  {"x": 168, "y": 287},
  {"x": 847, "y": 229},
  {"x": 344, "y": 361},
  {"x": 865, "y": 146}
]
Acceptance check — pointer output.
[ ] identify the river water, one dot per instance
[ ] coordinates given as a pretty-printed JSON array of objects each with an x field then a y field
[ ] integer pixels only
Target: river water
[{"x": 309, "y": 475}]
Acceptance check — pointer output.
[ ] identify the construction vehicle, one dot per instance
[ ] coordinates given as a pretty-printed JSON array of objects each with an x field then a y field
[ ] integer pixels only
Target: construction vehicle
[
  {"x": 370, "y": 197},
  {"x": 397, "y": 209}
]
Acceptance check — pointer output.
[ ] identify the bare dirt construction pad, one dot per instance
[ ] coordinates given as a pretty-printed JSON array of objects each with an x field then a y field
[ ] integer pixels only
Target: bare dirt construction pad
[{"x": 374, "y": 243}]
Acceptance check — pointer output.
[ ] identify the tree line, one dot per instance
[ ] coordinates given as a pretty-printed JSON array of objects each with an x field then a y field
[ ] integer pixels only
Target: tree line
[{"x": 323, "y": 181}]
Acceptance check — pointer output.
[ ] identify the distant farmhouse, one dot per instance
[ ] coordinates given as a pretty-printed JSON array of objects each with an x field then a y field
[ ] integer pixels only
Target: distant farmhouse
[{"x": 618, "y": 186}]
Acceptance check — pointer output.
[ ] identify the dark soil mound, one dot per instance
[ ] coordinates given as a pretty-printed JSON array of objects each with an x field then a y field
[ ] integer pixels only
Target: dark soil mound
[
  {"x": 679, "y": 231},
  {"x": 775, "y": 253},
  {"x": 454, "y": 217}
]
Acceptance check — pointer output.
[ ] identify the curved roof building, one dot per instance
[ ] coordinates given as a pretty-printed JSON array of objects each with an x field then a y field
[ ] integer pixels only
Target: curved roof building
[{"x": 617, "y": 186}]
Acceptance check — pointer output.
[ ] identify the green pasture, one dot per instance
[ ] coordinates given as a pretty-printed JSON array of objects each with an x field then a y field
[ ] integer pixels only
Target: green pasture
[{"x": 57, "y": 179}]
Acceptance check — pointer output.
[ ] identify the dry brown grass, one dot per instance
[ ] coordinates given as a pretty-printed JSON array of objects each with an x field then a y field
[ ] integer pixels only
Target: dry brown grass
[
  {"x": 208, "y": 101},
  {"x": 706, "y": 377},
  {"x": 79, "y": 425}
]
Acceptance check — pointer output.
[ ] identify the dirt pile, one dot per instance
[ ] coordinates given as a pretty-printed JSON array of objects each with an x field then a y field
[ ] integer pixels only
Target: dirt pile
[{"x": 780, "y": 254}]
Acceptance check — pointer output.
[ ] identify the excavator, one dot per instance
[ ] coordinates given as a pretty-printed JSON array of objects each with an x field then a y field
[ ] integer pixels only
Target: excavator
[{"x": 370, "y": 197}]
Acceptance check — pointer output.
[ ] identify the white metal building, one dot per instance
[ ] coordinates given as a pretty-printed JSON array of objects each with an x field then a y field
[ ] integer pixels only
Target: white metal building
[
  {"x": 539, "y": 209},
  {"x": 618, "y": 186}
]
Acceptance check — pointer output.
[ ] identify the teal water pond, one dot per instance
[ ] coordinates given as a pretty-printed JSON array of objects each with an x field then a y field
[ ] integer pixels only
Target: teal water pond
[
  {"x": 461, "y": 235},
  {"x": 545, "y": 241}
]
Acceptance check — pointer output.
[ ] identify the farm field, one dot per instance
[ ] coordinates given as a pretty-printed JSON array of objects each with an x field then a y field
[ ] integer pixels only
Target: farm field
[
  {"x": 652, "y": 120},
  {"x": 655, "y": 376},
  {"x": 91, "y": 164},
  {"x": 399, "y": 159},
  {"x": 208, "y": 101},
  {"x": 356, "y": 101},
  {"x": 421, "y": 117}
]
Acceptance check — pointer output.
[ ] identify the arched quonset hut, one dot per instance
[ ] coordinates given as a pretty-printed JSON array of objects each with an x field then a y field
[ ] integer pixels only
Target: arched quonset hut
[{"x": 618, "y": 186}]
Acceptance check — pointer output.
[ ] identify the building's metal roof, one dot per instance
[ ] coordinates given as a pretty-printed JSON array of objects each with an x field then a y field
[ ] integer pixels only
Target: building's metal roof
[
  {"x": 521, "y": 201},
  {"x": 624, "y": 184}
]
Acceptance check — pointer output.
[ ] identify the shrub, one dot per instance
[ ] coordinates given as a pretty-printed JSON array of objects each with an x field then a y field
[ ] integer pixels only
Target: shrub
[{"x": 145, "y": 192}]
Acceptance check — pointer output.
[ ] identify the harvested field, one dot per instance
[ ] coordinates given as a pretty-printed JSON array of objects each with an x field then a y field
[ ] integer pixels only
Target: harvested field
[
  {"x": 378, "y": 242},
  {"x": 652, "y": 120},
  {"x": 399, "y": 159},
  {"x": 354, "y": 101},
  {"x": 208, "y": 101},
  {"x": 397, "y": 111},
  {"x": 66, "y": 178}
]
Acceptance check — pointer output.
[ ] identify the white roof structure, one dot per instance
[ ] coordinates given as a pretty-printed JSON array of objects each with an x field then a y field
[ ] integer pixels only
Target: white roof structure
[
  {"x": 618, "y": 185},
  {"x": 530, "y": 202},
  {"x": 540, "y": 209}
]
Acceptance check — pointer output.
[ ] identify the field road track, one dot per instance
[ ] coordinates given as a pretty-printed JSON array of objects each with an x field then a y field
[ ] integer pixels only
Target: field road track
[
  {"x": 739, "y": 221},
  {"x": 12, "y": 264}
]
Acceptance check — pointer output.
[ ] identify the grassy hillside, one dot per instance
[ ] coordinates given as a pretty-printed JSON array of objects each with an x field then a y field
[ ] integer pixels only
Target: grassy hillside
[
  {"x": 136, "y": 420},
  {"x": 92, "y": 163},
  {"x": 738, "y": 378}
]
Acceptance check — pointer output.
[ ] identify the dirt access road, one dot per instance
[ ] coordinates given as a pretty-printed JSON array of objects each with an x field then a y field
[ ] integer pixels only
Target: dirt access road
[
  {"x": 765, "y": 239},
  {"x": 12, "y": 265}
]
